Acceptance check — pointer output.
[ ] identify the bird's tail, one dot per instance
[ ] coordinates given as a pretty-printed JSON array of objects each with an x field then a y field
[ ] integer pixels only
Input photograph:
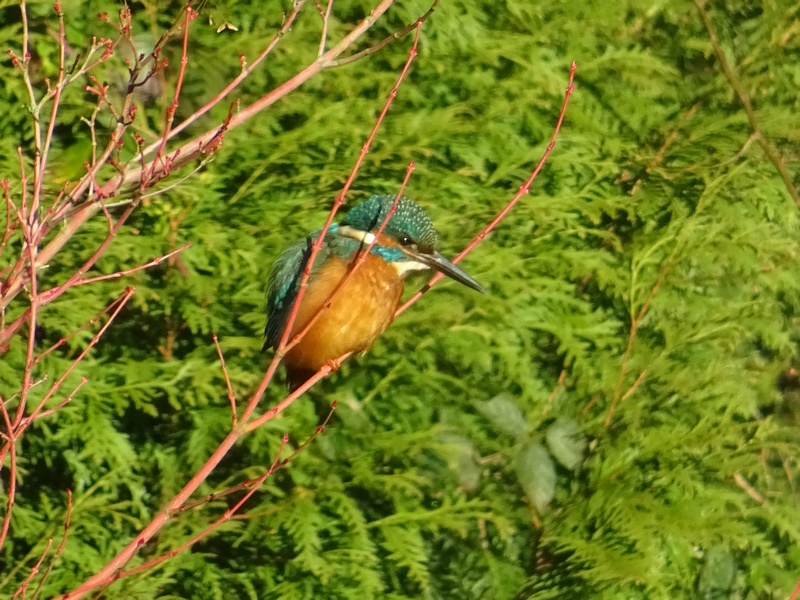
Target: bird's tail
[{"x": 297, "y": 377}]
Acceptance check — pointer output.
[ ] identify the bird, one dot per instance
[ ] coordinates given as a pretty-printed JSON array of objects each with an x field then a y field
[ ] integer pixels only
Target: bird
[{"x": 351, "y": 319}]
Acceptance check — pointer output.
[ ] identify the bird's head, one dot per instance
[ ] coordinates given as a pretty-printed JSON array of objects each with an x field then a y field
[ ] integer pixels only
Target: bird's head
[{"x": 408, "y": 241}]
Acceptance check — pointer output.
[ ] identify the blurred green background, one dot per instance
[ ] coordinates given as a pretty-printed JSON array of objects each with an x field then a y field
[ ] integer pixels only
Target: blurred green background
[{"x": 469, "y": 456}]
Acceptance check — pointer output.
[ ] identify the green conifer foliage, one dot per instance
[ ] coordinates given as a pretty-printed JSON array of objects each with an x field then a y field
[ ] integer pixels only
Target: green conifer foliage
[{"x": 617, "y": 420}]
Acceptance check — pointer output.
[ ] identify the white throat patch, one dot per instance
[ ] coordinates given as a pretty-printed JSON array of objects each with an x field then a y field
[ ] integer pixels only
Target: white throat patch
[
  {"x": 403, "y": 267},
  {"x": 365, "y": 237}
]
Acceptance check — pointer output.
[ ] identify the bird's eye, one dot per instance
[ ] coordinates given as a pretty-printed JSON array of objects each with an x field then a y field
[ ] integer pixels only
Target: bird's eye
[{"x": 405, "y": 240}]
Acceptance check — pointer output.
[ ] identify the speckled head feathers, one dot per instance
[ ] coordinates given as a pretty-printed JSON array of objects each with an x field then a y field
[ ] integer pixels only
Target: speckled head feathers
[{"x": 408, "y": 220}]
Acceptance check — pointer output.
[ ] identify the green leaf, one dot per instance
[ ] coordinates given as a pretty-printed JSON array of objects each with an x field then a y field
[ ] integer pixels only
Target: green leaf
[
  {"x": 719, "y": 571},
  {"x": 460, "y": 458},
  {"x": 567, "y": 442},
  {"x": 504, "y": 414},
  {"x": 536, "y": 473}
]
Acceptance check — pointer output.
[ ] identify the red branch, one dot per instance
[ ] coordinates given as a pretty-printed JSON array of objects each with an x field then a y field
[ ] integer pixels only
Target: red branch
[
  {"x": 60, "y": 548},
  {"x": 523, "y": 190},
  {"x": 114, "y": 567},
  {"x": 42, "y": 159},
  {"x": 77, "y": 278},
  {"x": 120, "y": 303},
  {"x": 190, "y": 16},
  {"x": 317, "y": 245},
  {"x": 226, "y": 516},
  {"x": 126, "y": 272},
  {"x": 22, "y": 589},
  {"x": 251, "y": 485},
  {"x": 794, "y": 595},
  {"x": 16, "y": 428},
  {"x": 21, "y": 422},
  {"x": 248, "y": 483},
  {"x": 288, "y": 22},
  {"x": 10, "y": 447}
]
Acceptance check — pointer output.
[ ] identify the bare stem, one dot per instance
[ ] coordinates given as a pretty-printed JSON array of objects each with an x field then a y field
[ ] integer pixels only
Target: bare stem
[
  {"x": 228, "y": 384},
  {"x": 387, "y": 40},
  {"x": 523, "y": 191},
  {"x": 60, "y": 548},
  {"x": 317, "y": 245},
  {"x": 114, "y": 567},
  {"x": 732, "y": 76},
  {"x": 190, "y": 16},
  {"x": 42, "y": 160},
  {"x": 246, "y": 71},
  {"x": 22, "y": 589},
  {"x": 323, "y": 37},
  {"x": 126, "y": 272}
]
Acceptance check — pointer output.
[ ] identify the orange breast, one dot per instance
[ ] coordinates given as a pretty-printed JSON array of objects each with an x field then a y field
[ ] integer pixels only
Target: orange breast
[{"x": 359, "y": 313}]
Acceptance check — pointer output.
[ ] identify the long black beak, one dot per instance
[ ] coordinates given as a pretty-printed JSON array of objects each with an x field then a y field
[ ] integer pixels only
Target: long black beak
[{"x": 444, "y": 266}]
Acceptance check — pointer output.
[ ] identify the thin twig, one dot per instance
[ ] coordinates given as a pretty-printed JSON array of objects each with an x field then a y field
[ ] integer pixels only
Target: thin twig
[
  {"x": 562, "y": 377},
  {"x": 126, "y": 272},
  {"x": 54, "y": 292},
  {"x": 26, "y": 77},
  {"x": 112, "y": 569},
  {"x": 228, "y": 385},
  {"x": 65, "y": 401},
  {"x": 172, "y": 186},
  {"x": 636, "y": 322},
  {"x": 31, "y": 242},
  {"x": 75, "y": 331},
  {"x": 42, "y": 159},
  {"x": 287, "y": 24},
  {"x": 733, "y": 78},
  {"x": 387, "y": 40},
  {"x": 523, "y": 190},
  {"x": 23, "y": 588},
  {"x": 635, "y": 386},
  {"x": 191, "y": 14},
  {"x": 60, "y": 548},
  {"x": 663, "y": 150},
  {"x": 252, "y": 486},
  {"x": 748, "y": 489},
  {"x": 557, "y": 388},
  {"x": 326, "y": 15},
  {"x": 120, "y": 303},
  {"x": 10, "y": 447}
]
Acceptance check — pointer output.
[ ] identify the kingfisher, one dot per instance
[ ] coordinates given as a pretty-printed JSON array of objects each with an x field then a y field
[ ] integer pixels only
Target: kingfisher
[{"x": 351, "y": 319}]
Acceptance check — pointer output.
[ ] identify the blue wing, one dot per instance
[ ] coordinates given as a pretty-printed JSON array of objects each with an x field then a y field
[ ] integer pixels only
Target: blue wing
[{"x": 284, "y": 280}]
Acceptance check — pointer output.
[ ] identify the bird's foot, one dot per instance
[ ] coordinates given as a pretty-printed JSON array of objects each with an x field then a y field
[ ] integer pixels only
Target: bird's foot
[{"x": 333, "y": 364}]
